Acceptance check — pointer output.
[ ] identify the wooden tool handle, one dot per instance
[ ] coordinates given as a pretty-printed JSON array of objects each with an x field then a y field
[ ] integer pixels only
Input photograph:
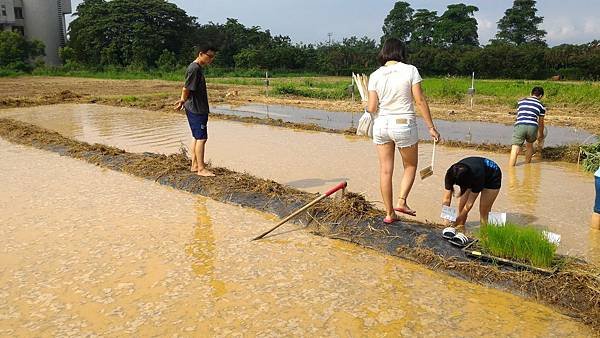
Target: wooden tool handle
[{"x": 341, "y": 185}]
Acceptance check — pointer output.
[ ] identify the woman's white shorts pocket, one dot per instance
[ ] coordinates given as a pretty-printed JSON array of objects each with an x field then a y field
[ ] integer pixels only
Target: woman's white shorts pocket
[{"x": 403, "y": 132}]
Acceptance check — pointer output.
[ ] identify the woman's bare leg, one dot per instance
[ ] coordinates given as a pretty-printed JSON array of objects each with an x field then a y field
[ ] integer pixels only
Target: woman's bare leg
[
  {"x": 385, "y": 153},
  {"x": 410, "y": 159}
]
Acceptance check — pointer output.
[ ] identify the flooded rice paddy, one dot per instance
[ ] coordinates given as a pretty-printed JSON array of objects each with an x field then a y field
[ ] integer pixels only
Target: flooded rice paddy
[
  {"x": 87, "y": 251},
  {"x": 466, "y": 131},
  {"x": 556, "y": 196}
]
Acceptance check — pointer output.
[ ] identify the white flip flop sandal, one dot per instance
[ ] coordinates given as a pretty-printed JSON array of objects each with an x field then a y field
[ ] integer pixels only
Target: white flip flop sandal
[
  {"x": 460, "y": 240},
  {"x": 449, "y": 232}
]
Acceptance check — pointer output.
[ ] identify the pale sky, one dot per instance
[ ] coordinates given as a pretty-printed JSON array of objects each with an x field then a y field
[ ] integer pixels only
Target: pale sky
[{"x": 309, "y": 21}]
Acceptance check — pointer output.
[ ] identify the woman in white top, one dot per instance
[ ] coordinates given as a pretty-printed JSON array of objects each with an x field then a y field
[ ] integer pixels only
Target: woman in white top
[{"x": 392, "y": 89}]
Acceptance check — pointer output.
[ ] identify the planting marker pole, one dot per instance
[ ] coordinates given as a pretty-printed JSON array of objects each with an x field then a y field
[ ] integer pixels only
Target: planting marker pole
[{"x": 329, "y": 192}]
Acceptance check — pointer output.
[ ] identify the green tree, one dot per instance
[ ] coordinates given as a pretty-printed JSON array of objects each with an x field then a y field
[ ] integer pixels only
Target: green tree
[
  {"x": 423, "y": 23},
  {"x": 17, "y": 53},
  {"x": 520, "y": 24},
  {"x": 128, "y": 32},
  {"x": 167, "y": 61},
  {"x": 457, "y": 26},
  {"x": 398, "y": 22},
  {"x": 234, "y": 38}
]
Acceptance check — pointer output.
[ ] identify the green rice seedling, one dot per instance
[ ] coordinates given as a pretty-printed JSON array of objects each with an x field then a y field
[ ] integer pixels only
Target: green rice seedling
[{"x": 523, "y": 244}]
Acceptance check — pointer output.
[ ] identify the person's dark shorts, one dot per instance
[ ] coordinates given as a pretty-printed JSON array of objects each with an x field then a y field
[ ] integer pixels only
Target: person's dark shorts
[
  {"x": 198, "y": 125},
  {"x": 493, "y": 177},
  {"x": 597, "y": 203}
]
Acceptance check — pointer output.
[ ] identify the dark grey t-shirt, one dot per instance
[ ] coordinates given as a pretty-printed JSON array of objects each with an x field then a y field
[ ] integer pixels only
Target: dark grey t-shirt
[{"x": 197, "y": 102}]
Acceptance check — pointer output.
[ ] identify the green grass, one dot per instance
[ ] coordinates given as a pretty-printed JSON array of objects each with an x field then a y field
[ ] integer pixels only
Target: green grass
[
  {"x": 524, "y": 244},
  {"x": 451, "y": 90},
  {"x": 129, "y": 98},
  {"x": 221, "y": 75},
  {"x": 591, "y": 157}
]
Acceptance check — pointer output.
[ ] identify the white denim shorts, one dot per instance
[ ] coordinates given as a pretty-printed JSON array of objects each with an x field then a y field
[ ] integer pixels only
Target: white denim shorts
[{"x": 393, "y": 128}]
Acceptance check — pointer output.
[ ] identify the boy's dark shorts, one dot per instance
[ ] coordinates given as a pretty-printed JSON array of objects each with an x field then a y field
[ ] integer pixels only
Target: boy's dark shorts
[{"x": 198, "y": 125}]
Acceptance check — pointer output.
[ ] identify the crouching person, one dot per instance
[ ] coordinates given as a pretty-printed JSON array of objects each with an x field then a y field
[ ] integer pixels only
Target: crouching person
[{"x": 468, "y": 179}]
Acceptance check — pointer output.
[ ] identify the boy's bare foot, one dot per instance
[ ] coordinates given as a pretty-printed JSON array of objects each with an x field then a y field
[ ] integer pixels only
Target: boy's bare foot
[
  {"x": 205, "y": 172},
  {"x": 194, "y": 167}
]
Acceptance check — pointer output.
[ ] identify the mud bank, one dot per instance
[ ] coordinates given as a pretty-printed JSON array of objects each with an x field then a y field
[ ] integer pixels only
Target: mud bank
[{"x": 575, "y": 289}]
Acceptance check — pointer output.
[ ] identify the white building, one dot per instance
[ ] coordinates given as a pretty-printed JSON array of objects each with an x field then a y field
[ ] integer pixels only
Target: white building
[{"x": 38, "y": 19}]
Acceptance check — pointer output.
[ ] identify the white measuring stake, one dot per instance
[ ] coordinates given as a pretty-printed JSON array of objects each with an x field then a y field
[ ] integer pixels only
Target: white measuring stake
[
  {"x": 552, "y": 237},
  {"x": 497, "y": 218}
]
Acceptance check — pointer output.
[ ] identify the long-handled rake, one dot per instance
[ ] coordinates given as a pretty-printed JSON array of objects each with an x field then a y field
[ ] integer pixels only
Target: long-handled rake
[
  {"x": 329, "y": 192},
  {"x": 428, "y": 171}
]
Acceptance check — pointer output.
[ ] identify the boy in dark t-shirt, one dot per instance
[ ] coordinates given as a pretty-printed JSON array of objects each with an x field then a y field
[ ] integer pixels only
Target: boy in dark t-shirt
[
  {"x": 194, "y": 99},
  {"x": 467, "y": 179}
]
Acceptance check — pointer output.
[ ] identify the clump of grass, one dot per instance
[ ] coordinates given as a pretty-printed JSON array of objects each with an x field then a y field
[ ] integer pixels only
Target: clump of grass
[
  {"x": 591, "y": 157},
  {"x": 523, "y": 244},
  {"x": 337, "y": 93},
  {"x": 129, "y": 98}
]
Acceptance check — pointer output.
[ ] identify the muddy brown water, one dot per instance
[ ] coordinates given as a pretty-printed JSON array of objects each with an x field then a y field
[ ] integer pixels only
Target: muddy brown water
[
  {"x": 555, "y": 196},
  {"x": 466, "y": 131},
  {"x": 107, "y": 254}
]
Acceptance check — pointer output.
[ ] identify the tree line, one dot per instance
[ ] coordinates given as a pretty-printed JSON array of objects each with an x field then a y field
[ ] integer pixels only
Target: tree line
[{"x": 147, "y": 35}]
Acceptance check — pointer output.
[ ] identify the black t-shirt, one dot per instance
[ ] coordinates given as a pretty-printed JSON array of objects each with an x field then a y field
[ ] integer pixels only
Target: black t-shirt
[
  {"x": 482, "y": 172},
  {"x": 197, "y": 102}
]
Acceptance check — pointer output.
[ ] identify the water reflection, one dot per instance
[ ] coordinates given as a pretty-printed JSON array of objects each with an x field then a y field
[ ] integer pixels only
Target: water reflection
[
  {"x": 524, "y": 185},
  {"x": 107, "y": 254},
  {"x": 468, "y": 131}
]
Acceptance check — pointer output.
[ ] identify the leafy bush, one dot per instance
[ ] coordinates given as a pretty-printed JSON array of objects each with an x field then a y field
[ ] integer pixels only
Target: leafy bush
[
  {"x": 591, "y": 157},
  {"x": 17, "y": 53}
]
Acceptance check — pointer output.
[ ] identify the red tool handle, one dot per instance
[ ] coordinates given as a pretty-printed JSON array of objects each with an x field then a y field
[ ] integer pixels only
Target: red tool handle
[{"x": 341, "y": 185}]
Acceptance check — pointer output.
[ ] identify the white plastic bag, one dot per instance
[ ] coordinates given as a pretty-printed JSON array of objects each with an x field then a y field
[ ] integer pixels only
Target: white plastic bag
[{"x": 365, "y": 125}]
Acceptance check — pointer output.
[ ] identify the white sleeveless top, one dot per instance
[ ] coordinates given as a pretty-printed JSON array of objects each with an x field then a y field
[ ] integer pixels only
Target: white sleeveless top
[{"x": 393, "y": 84}]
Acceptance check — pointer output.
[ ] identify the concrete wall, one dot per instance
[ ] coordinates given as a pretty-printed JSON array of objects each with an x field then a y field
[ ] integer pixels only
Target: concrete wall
[{"x": 42, "y": 20}]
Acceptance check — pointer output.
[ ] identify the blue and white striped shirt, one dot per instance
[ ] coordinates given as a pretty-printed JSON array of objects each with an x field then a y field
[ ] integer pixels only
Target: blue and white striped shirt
[{"x": 529, "y": 110}]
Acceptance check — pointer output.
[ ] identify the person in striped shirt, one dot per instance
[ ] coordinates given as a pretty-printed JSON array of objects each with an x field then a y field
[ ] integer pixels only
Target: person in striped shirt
[{"x": 529, "y": 126}]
